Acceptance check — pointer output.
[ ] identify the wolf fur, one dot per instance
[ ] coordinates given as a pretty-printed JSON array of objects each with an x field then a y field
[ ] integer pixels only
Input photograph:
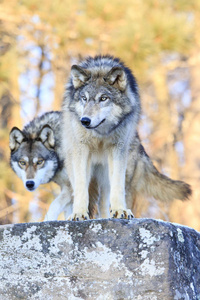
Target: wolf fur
[
  {"x": 101, "y": 111},
  {"x": 36, "y": 158},
  {"x": 32, "y": 143},
  {"x": 144, "y": 180}
]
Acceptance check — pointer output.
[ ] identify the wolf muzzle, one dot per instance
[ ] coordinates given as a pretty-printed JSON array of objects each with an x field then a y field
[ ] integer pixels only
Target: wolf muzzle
[
  {"x": 85, "y": 121},
  {"x": 30, "y": 184}
]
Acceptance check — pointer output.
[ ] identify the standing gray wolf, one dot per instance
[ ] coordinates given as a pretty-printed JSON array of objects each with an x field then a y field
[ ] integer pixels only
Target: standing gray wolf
[
  {"x": 36, "y": 158},
  {"x": 101, "y": 111}
]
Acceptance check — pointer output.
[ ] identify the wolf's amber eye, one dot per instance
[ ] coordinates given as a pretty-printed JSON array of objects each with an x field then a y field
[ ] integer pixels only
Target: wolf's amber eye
[
  {"x": 103, "y": 98},
  {"x": 22, "y": 163},
  {"x": 83, "y": 98},
  {"x": 40, "y": 161}
]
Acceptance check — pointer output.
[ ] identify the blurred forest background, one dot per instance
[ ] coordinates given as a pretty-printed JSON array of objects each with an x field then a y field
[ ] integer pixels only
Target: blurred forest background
[{"x": 159, "y": 40}]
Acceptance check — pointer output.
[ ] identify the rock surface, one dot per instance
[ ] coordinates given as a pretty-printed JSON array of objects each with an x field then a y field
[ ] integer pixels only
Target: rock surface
[{"x": 99, "y": 259}]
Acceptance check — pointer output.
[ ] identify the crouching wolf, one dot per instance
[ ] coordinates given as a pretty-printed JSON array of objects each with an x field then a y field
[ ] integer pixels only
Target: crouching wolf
[
  {"x": 36, "y": 158},
  {"x": 101, "y": 111}
]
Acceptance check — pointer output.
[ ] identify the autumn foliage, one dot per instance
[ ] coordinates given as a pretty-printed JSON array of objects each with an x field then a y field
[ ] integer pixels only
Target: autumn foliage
[{"x": 159, "y": 40}]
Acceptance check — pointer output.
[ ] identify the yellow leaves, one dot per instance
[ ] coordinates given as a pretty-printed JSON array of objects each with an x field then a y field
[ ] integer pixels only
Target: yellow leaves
[{"x": 137, "y": 31}]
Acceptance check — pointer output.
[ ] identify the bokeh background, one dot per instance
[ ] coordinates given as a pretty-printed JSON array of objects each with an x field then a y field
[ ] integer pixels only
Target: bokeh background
[{"x": 158, "y": 39}]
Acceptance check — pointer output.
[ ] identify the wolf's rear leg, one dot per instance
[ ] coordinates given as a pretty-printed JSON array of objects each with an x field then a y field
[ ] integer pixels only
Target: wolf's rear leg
[
  {"x": 60, "y": 204},
  {"x": 68, "y": 210},
  {"x": 104, "y": 204},
  {"x": 102, "y": 179}
]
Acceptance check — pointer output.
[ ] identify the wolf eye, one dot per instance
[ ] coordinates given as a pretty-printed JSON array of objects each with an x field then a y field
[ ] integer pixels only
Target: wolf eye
[
  {"x": 103, "y": 98},
  {"x": 22, "y": 163},
  {"x": 84, "y": 98},
  {"x": 40, "y": 161}
]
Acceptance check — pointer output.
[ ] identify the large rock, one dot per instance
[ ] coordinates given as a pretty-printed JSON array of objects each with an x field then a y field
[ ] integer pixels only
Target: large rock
[{"x": 99, "y": 259}]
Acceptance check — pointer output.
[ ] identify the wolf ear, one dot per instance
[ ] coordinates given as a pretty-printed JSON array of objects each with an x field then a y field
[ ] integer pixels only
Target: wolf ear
[
  {"x": 79, "y": 76},
  {"x": 46, "y": 136},
  {"x": 15, "y": 139},
  {"x": 116, "y": 76}
]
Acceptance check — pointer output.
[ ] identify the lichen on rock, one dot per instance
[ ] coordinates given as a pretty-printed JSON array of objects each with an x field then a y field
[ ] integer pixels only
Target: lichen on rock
[{"x": 99, "y": 259}]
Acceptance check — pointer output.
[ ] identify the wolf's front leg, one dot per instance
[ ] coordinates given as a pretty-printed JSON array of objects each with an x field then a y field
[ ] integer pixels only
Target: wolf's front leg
[
  {"x": 63, "y": 201},
  {"x": 80, "y": 182},
  {"x": 117, "y": 161}
]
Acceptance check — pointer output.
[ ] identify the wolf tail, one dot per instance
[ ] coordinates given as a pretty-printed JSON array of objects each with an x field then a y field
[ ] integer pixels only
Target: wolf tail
[
  {"x": 164, "y": 188},
  {"x": 152, "y": 183}
]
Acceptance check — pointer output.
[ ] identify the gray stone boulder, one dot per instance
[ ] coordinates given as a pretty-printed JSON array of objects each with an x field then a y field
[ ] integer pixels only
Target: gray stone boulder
[{"x": 99, "y": 259}]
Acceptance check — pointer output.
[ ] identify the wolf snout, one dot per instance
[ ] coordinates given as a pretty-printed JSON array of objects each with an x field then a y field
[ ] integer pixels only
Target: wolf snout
[
  {"x": 85, "y": 121},
  {"x": 30, "y": 184}
]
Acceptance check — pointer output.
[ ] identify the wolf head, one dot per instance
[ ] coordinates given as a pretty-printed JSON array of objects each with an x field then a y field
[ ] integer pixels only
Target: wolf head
[
  {"x": 33, "y": 159},
  {"x": 104, "y": 94}
]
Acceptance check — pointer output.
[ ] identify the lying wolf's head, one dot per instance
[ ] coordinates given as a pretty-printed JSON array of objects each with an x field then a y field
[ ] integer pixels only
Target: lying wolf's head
[
  {"x": 104, "y": 94},
  {"x": 33, "y": 159}
]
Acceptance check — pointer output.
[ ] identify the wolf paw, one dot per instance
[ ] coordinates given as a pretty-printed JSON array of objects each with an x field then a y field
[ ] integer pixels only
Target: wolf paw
[
  {"x": 122, "y": 214},
  {"x": 78, "y": 217}
]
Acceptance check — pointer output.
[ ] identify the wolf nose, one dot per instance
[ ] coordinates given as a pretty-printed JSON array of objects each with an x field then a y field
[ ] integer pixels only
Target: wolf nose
[
  {"x": 85, "y": 121},
  {"x": 30, "y": 184}
]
